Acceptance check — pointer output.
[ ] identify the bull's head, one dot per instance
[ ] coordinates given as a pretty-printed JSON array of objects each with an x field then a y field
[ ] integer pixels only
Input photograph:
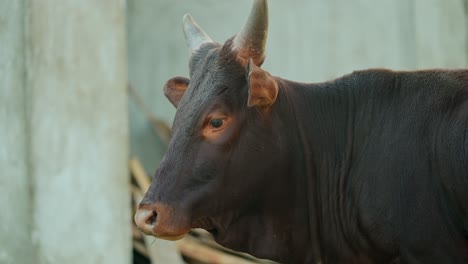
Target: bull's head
[{"x": 224, "y": 152}]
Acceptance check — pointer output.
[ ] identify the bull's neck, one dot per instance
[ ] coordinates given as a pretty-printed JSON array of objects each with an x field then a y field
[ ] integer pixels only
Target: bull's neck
[{"x": 320, "y": 116}]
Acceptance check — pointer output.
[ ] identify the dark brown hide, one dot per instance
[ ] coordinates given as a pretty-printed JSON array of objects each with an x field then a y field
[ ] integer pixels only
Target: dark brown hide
[{"x": 368, "y": 168}]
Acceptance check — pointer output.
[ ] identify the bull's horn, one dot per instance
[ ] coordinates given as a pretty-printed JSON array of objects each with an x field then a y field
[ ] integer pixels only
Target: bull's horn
[
  {"x": 194, "y": 34},
  {"x": 251, "y": 41}
]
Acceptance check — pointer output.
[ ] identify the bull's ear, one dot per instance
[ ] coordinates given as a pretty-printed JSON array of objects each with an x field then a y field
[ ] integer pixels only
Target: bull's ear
[
  {"x": 175, "y": 89},
  {"x": 263, "y": 88}
]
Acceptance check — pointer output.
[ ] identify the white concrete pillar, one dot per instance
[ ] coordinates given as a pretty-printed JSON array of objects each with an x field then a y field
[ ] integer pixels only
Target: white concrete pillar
[
  {"x": 15, "y": 196},
  {"x": 77, "y": 77}
]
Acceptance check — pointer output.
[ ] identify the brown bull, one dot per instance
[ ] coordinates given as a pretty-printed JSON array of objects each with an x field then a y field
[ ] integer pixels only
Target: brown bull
[{"x": 368, "y": 168}]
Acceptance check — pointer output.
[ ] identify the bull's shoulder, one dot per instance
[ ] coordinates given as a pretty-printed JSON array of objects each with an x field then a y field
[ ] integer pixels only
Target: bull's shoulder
[
  {"x": 455, "y": 76},
  {"x": 438, "y": 85}
]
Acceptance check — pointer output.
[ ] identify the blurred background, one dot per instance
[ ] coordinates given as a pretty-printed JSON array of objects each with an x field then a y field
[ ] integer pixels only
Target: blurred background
[{"x": 84, "y": 120}]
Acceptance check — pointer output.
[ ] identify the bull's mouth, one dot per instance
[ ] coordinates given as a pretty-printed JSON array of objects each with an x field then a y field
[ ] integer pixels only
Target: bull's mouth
[
  {"x": 206, "y": 224},
  {"x": 170, "y": 231},
  {"x": 171, "y": 237}
]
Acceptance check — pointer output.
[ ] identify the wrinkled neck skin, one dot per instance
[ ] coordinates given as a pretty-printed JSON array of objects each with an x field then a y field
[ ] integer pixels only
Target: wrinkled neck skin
[
  {"x": 288, "y": 231},
  {"x": 321, "y": 160}
]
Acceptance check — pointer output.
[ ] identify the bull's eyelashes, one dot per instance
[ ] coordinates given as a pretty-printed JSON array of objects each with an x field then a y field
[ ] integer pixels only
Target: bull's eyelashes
[{"x": 215, "y": 125}]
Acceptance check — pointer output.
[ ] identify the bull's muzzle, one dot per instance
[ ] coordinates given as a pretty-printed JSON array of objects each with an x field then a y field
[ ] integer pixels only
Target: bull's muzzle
[{"x": 160, "y": 221}]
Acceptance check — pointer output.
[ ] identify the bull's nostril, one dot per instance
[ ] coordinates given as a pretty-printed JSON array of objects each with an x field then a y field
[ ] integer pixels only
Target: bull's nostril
[
  {"x": 146, "y": 220},
  {"x": 152, "y": 219}
]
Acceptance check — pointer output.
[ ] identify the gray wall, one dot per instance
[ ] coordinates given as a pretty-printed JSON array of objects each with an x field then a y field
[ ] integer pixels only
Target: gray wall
[
  {"x": 309, "y": 40},
  {"x": 64, "y": 183}
]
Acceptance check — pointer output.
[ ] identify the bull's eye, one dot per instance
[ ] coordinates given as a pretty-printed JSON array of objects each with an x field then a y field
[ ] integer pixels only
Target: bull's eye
[
  {"x": 215, "y": 126},
  {"x": 216, "y": 123}
]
